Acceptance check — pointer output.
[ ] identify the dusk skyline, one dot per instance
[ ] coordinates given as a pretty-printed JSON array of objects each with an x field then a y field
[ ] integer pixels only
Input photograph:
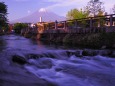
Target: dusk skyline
[{"x": 21, "y": 8}]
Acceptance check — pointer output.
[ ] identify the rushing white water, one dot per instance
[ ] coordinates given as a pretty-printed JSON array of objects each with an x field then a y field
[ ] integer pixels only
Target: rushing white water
[
  {"x": 75, "y": 71},
  {"x": 64, "y": 67}
]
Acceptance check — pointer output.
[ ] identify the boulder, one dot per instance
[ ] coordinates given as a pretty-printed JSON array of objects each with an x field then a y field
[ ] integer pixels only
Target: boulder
[
  {"x": 112, "y": 54},
  {"x": 19, "y": 59},
  {"x": 85, "y": 53},
  {"x": 70, "y": 53},
  {"x": 78, "y": 54}
]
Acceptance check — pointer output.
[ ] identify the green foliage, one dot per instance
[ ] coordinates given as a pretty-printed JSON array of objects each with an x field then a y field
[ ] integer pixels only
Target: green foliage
[
  {"x": 19, "y": 26},
  {"x": 96, "y": 40},
  {"x": 76, "y": 14},
  {"x": 67, "y": 39},
  {"x": 94, "y": 7},
  {"x": 108, "y": 39},
  {"x": 70, "y": 23},
  {"x": 3, "y": 15},
  {"x": 3, "y": 8}
]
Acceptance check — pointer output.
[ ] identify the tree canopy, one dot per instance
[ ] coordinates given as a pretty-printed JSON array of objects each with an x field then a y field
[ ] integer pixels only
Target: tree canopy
[
  {"x": 76, "y": 14},
  {"x": 18, "y": 26},
  {"x": 94, "y": 7},
  {"x": 3, "y": 14}
]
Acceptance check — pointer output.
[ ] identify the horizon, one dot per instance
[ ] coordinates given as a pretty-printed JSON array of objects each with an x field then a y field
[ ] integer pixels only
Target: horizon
[{"x": 22, "y": 8}]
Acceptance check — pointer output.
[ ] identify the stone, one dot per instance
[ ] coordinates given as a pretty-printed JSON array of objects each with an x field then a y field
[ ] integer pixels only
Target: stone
[
  {"x": 85, "y": 53},
  {"x": 33, "y": 56},
  {"x": 19, "y": 59},
  {"x": 89, "y": 53},
  {"x": 112, "y": 54},
  {"x": 105, "y": 52},
  {"x": 70, "y": 53},
  {"x": 78, "y": 54}
]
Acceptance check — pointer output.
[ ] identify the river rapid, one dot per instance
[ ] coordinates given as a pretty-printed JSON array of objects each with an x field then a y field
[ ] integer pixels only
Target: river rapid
[{"x": 50, "y": 65}]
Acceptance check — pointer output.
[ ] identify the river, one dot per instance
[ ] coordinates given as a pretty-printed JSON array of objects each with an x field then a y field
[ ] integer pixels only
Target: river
[{"x": 50, "y": 65}]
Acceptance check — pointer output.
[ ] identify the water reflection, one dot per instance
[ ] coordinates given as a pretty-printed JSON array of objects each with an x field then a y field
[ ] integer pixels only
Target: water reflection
[
  {"x": 2, "y": 43},
  {"x": 18, "y": 42},
  {"x": 15, "y": 43}
]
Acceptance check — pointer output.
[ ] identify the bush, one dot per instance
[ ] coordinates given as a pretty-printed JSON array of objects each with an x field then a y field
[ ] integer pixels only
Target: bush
[{"x": 18, "y": 26}]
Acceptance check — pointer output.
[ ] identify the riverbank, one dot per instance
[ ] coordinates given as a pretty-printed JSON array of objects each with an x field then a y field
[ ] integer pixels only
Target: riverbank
[{"x": 95, "y": 40}]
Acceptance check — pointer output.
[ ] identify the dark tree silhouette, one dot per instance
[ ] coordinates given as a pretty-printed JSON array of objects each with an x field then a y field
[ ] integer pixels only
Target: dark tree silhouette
[
  {"x": 94, "y": 7},
  {"x": 3, "y": 15}
]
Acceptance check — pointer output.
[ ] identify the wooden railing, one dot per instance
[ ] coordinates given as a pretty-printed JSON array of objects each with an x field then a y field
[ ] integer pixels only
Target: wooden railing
[{"x": 105, "y": 23}]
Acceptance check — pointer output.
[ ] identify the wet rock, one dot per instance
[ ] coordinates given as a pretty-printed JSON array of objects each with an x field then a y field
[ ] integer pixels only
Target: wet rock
[
  {"x": 112, "y": 54},
  {"x": 19, "y": 59},
  {"x": 89, "y": 53},
  {"x": 70, "y": 53},
  {"x": 94, "y": 53},
  {"x": 45, "y": 55},
  {"x": 33, "y": 56},
  {"x": 105, "y": 52},
  {"x": 85, "y": 53},
  {"x": 78, "y": 54},
  {"x": 52, "y": 56}
]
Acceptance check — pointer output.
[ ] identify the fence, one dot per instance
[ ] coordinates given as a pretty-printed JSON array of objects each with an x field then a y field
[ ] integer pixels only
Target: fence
[{"x": 105, "y": 23}]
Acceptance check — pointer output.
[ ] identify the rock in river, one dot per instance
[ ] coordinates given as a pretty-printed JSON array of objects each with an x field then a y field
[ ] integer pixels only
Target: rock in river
[{"x": 19, "y": 59}]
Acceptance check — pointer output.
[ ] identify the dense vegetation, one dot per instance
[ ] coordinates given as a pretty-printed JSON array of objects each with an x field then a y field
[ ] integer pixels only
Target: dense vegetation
[
  {"x": 3, "y": 17},
  {"x": 19, "y": 26},
  {"x": 93, "y": 8},
  {"x": 77, "y": 14},
  {"x": 94, "y": 40}
]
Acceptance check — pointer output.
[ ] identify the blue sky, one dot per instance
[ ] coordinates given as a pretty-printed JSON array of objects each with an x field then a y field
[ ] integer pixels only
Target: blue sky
[{"x": 20, "y": 8}]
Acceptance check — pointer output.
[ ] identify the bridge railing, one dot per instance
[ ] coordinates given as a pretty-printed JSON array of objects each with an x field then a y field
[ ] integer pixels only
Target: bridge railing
[{"x": 105, "y": 23}]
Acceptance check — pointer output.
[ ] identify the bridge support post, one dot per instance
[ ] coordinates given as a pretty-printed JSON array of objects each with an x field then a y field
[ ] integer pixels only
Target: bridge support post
[
  {"x": 91, "y": 24},
  {"x": 56, "y": 24},
  {"x": 111, "y": 21},
  {"x": 75, "y": 23},
  {"x": 65, "y": 25},
  {"x": 48, "y": 26}
]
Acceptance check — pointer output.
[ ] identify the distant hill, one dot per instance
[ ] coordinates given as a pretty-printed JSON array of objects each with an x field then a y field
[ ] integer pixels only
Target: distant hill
[{"x": 35, "y": 17}]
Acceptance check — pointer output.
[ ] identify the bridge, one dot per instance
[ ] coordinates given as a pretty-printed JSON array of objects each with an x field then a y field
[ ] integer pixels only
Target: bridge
[{"x": 105, "y": 23}]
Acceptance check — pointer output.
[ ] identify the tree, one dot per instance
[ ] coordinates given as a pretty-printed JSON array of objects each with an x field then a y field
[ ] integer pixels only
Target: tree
[
  {"x": 113, "y": 9},
  {"x": 94, "y": 7},
  {"x": 3, "y": 15},
  {"x": 19, "y": 26},
  {"x": 76, "y": 14}
]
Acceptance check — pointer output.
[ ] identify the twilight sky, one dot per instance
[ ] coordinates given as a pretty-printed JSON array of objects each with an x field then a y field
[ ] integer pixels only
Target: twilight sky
[{"x": 21, "y": 8}]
